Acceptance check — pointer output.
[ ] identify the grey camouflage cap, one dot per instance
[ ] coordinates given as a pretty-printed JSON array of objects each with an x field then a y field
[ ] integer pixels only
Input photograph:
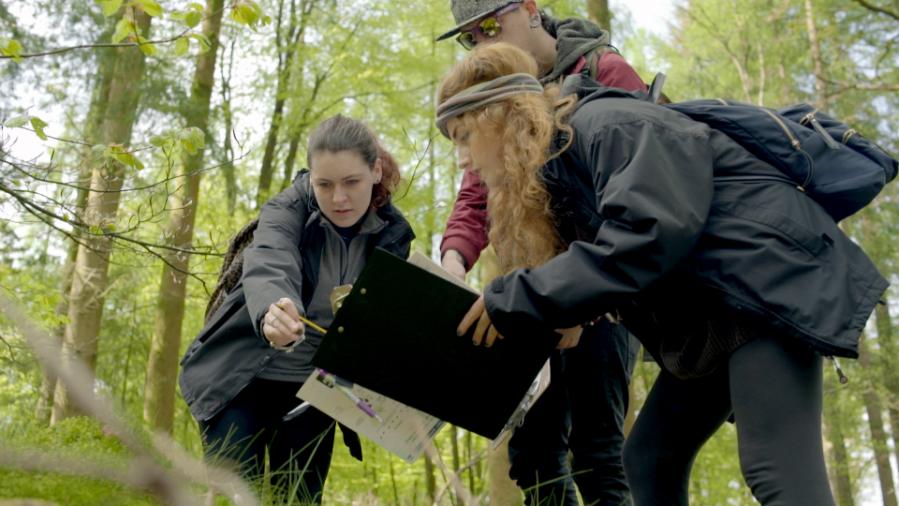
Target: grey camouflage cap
[{"x": 469, "y": 11}]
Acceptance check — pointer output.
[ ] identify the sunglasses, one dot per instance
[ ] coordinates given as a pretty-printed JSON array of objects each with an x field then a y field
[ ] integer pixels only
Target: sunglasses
[{"x": 488, "y": 26}]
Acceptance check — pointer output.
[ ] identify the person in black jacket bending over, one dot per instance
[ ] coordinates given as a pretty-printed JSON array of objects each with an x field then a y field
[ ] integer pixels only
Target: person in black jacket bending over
[
  {"x": 241, "y": 374},
  {"x": 737, "y": 286}
]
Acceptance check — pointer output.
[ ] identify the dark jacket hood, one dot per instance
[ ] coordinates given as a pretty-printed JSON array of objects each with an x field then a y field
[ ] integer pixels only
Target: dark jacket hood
[{"x": 575, "y": 38}]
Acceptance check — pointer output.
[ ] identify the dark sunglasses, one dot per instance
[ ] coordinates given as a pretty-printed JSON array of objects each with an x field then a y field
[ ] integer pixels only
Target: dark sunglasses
[{"x": 488, "y": 26}]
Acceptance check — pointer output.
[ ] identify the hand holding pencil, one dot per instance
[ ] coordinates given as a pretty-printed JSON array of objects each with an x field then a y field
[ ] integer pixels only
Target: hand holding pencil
[{"x": 282, "y": 324}]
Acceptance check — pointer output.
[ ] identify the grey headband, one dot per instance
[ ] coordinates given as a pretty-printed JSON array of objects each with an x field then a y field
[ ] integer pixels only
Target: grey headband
[{"x": 481, "y": 94}]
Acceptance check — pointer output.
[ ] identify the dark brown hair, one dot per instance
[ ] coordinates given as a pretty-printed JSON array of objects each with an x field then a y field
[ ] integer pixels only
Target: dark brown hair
[{"x": 340, "y": 133}]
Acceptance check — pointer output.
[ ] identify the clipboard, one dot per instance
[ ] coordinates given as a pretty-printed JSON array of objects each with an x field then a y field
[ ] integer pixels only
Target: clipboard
[{"x": 395, "y": 334}]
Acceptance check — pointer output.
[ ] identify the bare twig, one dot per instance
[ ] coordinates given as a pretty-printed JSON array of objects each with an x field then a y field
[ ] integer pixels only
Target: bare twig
[{"x": 97, "y": 46}]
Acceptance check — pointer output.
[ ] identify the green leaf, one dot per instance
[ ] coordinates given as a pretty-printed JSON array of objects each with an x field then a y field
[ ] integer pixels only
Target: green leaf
[
  {"x": 150, "y": 7},
  {"x": 193, "y": 18},
  {"x": 181, "y": 46},
  {"x": 110, "y": 7},
  {"x": 192, "y": 139},
  {"x": 246, "y": 12},
  {"x": 38, "y": 125},
  {"x": 16, "y": 122},
  {"x": 203, "y": 40},
  {"x": 159, "y": 140},
  {"x": 11, "y": 48},
  {"x": 123, "y": 29},
  {"x": 146, "y": 47},
  {"x": 119, "y": 153}
]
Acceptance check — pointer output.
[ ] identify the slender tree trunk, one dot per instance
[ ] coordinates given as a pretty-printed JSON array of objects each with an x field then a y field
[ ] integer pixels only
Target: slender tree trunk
[
  {"x": 502, "y": 489},
  {"x": 286, "y": 52},
  {"x": 430, "y": 480},
  {"x": 599, "y": 13},
  {"x": 227, "y": 118},
  {"x": 162, "y": 368},
  {"x": 888, "y": 351},
  {"x": 454, "y": 444},
  {"x": 874, "y": 408},
  {"x": 834, "y": 422},
  {"x": 90, "y": 277},
  {"x": 471, "y": 468},
  {"x": 817, "y": 62},
  {"x": 99, "y": 98}
]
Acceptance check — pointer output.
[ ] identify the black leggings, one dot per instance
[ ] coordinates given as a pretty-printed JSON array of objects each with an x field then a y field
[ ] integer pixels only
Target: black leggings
[{"x": 774, "y": 388}]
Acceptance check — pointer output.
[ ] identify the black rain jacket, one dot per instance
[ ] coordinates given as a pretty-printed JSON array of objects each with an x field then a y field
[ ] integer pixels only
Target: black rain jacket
[{"x": 673, "y": 224}]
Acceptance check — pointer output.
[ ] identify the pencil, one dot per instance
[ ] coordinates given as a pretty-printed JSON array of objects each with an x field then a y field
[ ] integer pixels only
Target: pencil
[{"x": 314, "y": 325}]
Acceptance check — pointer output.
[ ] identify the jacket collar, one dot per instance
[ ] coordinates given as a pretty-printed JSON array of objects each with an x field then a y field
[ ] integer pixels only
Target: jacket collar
[{"x": 574, "y": 39}]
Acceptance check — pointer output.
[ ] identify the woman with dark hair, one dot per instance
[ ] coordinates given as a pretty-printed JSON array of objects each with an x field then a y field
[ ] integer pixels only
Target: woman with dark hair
[
  {"x": 241, "y": 374},
  {"x": 737, "y": 284}
]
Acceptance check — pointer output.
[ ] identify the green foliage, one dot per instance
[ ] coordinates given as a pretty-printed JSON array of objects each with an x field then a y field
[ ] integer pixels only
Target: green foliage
[
  {"x": 125, "y": 28},
  {"x": 11, "y": 48},
  {"x": 149, "y": 6},
  {"x": 37, "y": 124},
  {"x": 248, "y": 12},
  {"x": 77, "y": 438},
  {"x": 120, "y": 153},
  {"x": 110, "y": 7}
]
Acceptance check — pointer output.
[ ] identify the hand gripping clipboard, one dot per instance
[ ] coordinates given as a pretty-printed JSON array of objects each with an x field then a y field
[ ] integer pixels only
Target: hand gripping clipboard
[{"x": 395, "y": 334}]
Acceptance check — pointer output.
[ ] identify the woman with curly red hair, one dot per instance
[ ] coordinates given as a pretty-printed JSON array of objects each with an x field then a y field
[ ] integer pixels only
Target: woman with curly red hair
[{"x": 735, "y": 282}]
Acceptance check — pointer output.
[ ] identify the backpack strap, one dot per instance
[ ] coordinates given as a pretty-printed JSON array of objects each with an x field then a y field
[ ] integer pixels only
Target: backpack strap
[
  {"x": 655, "y": 88},
  {"x": 593, "y": 57}
]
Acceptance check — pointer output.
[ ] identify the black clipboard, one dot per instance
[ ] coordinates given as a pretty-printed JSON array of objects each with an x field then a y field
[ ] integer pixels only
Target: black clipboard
[{"x": 395, "y": 333}]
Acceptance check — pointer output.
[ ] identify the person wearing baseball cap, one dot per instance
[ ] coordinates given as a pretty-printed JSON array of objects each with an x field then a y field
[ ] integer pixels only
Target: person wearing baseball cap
[{"x": 583, "y": 409}]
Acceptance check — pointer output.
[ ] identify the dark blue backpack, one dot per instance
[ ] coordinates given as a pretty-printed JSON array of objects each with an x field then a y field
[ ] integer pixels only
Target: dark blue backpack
[{"x": 837, "y": 167}]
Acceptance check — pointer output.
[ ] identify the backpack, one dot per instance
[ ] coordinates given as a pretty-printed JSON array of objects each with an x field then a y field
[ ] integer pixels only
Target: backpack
[
  {"x": 232, "y": 264},
  {"x": 831, "y": 162},
  {"x": 232, "y": 267}
]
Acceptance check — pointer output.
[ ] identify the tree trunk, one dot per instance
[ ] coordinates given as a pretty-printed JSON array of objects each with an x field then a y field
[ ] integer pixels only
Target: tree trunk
[
  {"x": 89, "y": 281},
  {"x": 874, "y": 409},
  {"x": 454, "y": 444},
  {"x": 834, "y": 422},
  {"x": 599, "y": 13},
  {"x": 430, "y": 480},
  {"x": 227, "y": 119},
  {"x": 503, "y": 491},
  {"x": 162, "y": 368},
  {"x": 815, "y": 46},
  {"x": 99, "y": 98},
  {"x": 285, "y": 63},
  {"x": 887, "y": 355}
]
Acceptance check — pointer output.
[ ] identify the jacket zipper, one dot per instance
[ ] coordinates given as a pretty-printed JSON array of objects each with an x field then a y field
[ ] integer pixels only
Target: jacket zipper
[{"x": 812, "y": 120}]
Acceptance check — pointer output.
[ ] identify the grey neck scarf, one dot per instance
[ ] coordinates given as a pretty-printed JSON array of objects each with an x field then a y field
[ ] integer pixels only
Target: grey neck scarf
[{"x": 481, "y": 94}]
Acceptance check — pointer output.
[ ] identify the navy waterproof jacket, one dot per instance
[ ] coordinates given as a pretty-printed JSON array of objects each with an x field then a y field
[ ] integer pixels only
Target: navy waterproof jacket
[
  {"x": 673, "y": 224},
  {"x": 282, "y": 261}
]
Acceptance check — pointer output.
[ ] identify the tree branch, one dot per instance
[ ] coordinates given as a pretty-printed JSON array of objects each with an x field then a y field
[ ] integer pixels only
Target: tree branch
[{"x": 881, "y": 10}]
